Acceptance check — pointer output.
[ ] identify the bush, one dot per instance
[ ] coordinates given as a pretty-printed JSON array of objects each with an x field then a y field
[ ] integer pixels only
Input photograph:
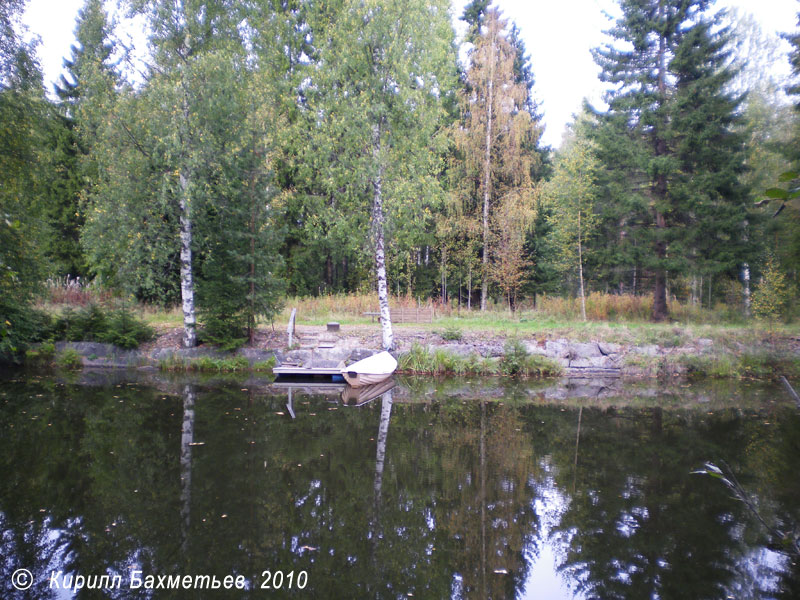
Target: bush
[
  {"x": 69, "y": 359},
  {"x": 92, "y": 323},
  {"x": 42, "y": 355},
  {"x": 452, "y": 334},
  {"x": 125, "y": 331},
  {"x": 771, "y": 299},
  {"x": 514, "y": 357},
  {"x": 20, "y": 325}
]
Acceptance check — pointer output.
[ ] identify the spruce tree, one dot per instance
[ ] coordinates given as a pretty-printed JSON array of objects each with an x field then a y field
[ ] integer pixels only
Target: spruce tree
[{"x": 668, "y": 140}]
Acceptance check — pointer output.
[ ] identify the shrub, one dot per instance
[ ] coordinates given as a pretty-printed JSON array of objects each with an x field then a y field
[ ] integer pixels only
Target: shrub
[
  {"x": 452, "y": 334},
  {"x": 92, "y": 323},
  {"x": 514, "y": 356},
  {"x": 771, "y": 299},
  {"x": 69, "y": 359},
  {"x": 42, "y": 355},
  {"x": 125, "y": 330}
]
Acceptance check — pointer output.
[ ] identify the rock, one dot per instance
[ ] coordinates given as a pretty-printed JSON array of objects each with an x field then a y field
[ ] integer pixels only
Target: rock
[
  {"x": 607, "y": 348},
  {"x": 580, "y": 350},
  {"x": 534, "y": 348},
  {"x": 592, "y": 362},
  {"x": 458, "y": 349},
  {"x": 556, "y": 349},
  {"x": 360, "y": 354},
  {"x": 649, "y": 350},
  {"x": 256, "y": 355}
]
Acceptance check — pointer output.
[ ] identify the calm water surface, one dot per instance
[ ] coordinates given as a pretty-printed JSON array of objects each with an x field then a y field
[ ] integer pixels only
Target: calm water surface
[{"x": 432, "y": 490}]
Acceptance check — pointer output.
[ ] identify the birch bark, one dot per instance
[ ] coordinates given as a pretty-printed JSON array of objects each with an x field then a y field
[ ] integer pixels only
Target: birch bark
[
  {"x": 380, "y": 257},
  {"x": 187, "y": 279}
]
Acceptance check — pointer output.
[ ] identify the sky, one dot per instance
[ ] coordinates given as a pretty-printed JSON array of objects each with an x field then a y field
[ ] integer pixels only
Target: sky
[{"x": 558, "y": 36}]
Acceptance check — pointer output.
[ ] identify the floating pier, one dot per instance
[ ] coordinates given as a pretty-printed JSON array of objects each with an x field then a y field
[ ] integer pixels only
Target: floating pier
[{"x": 323, "y": 369}]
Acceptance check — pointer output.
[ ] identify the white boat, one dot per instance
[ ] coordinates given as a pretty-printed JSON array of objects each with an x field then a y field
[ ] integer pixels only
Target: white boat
[{"x": 373, "y": 369}]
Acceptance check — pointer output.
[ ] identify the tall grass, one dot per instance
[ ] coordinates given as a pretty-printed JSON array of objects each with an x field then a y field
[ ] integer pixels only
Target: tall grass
[
  {"x": 516, "y": 363},
  {"x": 352, "y": 305},
  {"x": 600, "y": 307}
]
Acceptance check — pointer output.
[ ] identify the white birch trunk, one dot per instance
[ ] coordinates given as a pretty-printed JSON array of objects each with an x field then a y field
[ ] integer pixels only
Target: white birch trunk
[
  {"x": 746, "y": 291},
  {"x": 187, "y": 279},
  {"x": 487, "y": 181},
  {"x": 380, "y": 258},
  {"x": 187, "y": 438}
]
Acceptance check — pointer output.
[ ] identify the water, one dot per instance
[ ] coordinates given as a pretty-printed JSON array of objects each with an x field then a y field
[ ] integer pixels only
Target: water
[{"x": 454, "y": 489}]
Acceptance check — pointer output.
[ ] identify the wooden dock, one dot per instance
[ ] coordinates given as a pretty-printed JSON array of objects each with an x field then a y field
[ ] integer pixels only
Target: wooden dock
[{"x": 290, "y": 371}]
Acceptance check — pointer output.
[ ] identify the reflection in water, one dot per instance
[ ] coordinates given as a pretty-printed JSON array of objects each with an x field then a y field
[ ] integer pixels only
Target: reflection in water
[
  {"x": 187, "y": 439},
  {"x": 492, "y": 497},
  {"x": 383, "y": 433}
]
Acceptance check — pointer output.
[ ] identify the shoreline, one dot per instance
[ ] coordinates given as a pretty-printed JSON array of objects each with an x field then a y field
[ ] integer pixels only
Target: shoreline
[{"x": 693, "y": 358}]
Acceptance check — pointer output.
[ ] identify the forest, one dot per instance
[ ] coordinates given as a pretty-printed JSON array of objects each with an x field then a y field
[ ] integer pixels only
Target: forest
[{"x": 265, "y": 149}]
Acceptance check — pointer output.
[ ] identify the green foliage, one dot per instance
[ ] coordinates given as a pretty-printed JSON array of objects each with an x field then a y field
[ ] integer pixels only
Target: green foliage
[
  {"x": 69, "y": 359},
  {"x": 43, "y": 355},
  {"x": 125, "y": 330},
  {"x": 92, "y": 323},
  {"x": 514, "y": 357},
  {"x": 771, "y": 298},
  {"x": 753, "y": 365},
  {"x": 516, "y": 362},
  {"x": 219, "y": 365},
  {"x": 441, "y": 362},
  {"x": 672, "y": 147},
  {"x": 452, "y": 333}
]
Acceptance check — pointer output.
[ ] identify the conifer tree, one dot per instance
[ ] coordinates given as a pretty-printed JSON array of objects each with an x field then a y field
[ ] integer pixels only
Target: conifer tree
[
  {"x": 668, "y": 67},
  {"x": 498, "y": 132},
  {"x": 72, "y": 136}
]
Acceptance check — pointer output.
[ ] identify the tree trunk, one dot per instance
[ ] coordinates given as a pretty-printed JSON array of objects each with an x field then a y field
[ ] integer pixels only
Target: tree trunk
[
  {"x": 187, "y": 439},
  {"x": 746, "y": 291},
  {"x": 487, "y": 181},
  {"x": 469, "y": 289},
  {"x": 377, "y": 224},
  {"x": 187, "y": 279},
  {"x": 580, "y": 269},
  {"x": 251, "y": 318}
]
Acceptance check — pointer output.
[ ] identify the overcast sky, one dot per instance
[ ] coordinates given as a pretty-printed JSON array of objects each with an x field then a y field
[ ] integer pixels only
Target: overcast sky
[{"x": 558, "y": 35}]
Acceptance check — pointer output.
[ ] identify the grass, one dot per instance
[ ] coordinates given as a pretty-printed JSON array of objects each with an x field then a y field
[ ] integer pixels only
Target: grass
[
  {"x": 620, "y": 319},
  {"x": 207, "y": 364},
  {"x": 420, "y": 360},
  {"x": 751, "y": 365}
]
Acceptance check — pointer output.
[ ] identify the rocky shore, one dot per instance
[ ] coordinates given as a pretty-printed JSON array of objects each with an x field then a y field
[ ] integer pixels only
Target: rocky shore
[{"x": 578, "y": 359}]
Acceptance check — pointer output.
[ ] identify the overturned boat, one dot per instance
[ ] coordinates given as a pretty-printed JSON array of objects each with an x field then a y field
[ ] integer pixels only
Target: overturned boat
[{"x": 371, "y": 370}]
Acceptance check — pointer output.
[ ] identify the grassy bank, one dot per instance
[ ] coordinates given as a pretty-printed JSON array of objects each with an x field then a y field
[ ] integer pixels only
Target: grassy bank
[
  {"x": 515, "y": 362},
  {"x": 206, "y": 364}
]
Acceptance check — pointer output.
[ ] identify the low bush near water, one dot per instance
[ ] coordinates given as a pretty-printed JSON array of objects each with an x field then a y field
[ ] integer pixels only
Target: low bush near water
[
  {"x": 441, "y": 362},
  {"x": 93, "y": 323},
  {"x": 220, "y": 365},
  {"x": 69, "y": 359}
]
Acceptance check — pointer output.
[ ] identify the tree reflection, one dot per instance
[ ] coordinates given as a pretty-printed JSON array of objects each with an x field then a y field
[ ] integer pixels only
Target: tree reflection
[{"x": 444, "y": 507}]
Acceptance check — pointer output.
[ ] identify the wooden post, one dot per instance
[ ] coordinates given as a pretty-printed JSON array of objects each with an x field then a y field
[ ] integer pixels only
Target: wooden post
[{"x": 290, "y": 329}]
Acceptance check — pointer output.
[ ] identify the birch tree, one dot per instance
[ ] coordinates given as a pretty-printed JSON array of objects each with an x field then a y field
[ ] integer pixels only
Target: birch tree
[
  {"x": 571, "y": 194},
  {"x": 383, "y": 74},
  {"x": 189, "y": 40}
]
